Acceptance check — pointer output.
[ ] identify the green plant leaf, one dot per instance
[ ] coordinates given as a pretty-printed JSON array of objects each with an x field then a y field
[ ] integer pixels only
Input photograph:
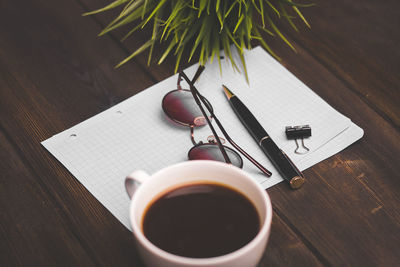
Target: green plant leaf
[
  {"x": 301, "y": 16},
  {"x": 166, "y": 52},
  {"x": 265, "y": 45},
  {"x": 273, "y": 8},
  {"x": 173, "y": 17},
  {"x": 229, "y": 10},
  {"x": 238, "y": 23},
  {"x": 193, "y": 27},
  {"x": 227, "y": 49},
  {"x": 267, "y": 31},
  {"x": 262, "y": 13},
  {"x": 217, "y": 6},
  {"x": 160, "y": 4},
  {"x": 215, "y": 46},
  {"x": 144, "y": 8},
  {"x": 178, "y": 60},
  {"x": 244, "y": 65},
  {"x": 203, "y": 29},
  {"x": 113, "y": 25},
  {"x": 108, "y": 7},
  {"x": 202, "y": 6},
  {"x": 289, "y": 18},
  {"x": 277, "y": 31},
  {"x": 132, "y": 31},
  {"x": 291, "y": 3},
  {"x": 232, "y": 38},
  {"x": 154, "y": 35},
  {"x": 131, "y": 6},
  {"x": 137, "y": 52}
]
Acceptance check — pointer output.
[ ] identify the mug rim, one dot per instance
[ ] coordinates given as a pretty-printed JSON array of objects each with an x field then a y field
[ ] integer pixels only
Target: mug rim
[{"x": 265, "y": 228}]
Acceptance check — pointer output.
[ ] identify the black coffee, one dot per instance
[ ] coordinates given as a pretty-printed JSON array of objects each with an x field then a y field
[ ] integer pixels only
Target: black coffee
[{"x": 201, "y": 221}]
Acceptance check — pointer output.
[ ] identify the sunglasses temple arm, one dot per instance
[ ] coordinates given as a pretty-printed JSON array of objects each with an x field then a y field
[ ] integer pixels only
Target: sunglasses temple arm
[
  {"x": 192, "y": 135},
  {"x": 178, "y": 84},
  {"x": 220, "y": 146},
  {"x": 197, "y": 74},
  {"x": 195, "y": 77},
  {"x": 244, "y": 153},
  {"x": 196, "y": 98}
]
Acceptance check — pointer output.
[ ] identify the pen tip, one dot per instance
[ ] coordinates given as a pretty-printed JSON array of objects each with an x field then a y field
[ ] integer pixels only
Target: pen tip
[{"x": 228, "y": 93}]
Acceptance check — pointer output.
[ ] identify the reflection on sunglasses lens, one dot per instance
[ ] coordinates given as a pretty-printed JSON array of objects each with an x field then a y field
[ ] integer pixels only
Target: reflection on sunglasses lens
[
  {"x": 180, "y": 106},
  {"x": 212, "y": 152}
]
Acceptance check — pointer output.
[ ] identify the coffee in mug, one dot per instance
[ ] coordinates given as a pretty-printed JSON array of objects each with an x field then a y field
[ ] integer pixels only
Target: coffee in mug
[{"x": 201, "y": 220}]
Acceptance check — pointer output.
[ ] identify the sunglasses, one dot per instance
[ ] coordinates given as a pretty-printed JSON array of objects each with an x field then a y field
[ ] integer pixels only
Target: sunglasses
[{"x": 189, "y": 108}]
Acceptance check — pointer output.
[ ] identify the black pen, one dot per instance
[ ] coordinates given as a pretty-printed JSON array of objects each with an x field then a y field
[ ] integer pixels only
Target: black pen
[{"x": 278, "y": 158}]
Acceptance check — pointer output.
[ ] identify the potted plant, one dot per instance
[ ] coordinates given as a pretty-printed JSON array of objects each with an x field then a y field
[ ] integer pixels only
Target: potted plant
[{"x": 205, "y": 26}]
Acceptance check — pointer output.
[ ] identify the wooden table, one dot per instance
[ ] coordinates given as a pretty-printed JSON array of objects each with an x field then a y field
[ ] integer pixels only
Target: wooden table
[{"x": 55, "y": 72}]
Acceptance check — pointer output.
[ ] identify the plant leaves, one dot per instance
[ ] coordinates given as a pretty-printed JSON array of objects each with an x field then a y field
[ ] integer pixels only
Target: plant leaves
[{"x": 206, "y": 26}]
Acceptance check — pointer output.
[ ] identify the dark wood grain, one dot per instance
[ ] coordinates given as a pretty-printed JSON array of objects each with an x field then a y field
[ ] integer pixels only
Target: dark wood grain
[
  {"x": 25, "y": 209},
  {"x": 358, "y": 42},
  {"x": 48, "y": 83},
  {"x": 55, "y": 72},
  {"x": 285, "y": 248}
]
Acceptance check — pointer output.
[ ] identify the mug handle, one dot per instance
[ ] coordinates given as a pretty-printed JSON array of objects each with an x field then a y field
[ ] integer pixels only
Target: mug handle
[{"x": 133, "y": 181}]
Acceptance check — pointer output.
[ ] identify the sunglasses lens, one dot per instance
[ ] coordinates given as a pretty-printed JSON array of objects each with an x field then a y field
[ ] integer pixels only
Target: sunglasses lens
[
  {"x": 180, "y": 106},
  {"x": 212, "y": 152}
]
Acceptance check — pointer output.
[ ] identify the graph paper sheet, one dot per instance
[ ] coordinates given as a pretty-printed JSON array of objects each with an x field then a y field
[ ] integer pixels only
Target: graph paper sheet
[{"x": 135, "y": 134}]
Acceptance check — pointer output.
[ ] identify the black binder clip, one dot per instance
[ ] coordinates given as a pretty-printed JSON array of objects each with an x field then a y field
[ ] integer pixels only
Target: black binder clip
[{"x": 299, "y": 132}]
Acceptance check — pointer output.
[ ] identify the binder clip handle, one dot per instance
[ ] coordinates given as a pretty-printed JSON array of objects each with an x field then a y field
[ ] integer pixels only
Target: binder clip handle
[{"x": 299, "y": 132}]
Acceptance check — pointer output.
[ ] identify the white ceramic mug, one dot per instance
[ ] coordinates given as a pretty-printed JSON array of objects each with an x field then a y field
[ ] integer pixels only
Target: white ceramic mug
[{"x": 144, "y": 188}]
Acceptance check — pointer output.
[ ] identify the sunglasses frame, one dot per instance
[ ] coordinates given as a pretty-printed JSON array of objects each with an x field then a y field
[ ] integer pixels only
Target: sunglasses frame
[
  {"x": 192, "y": 125},
  {"x": 200, "y": 101}
]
